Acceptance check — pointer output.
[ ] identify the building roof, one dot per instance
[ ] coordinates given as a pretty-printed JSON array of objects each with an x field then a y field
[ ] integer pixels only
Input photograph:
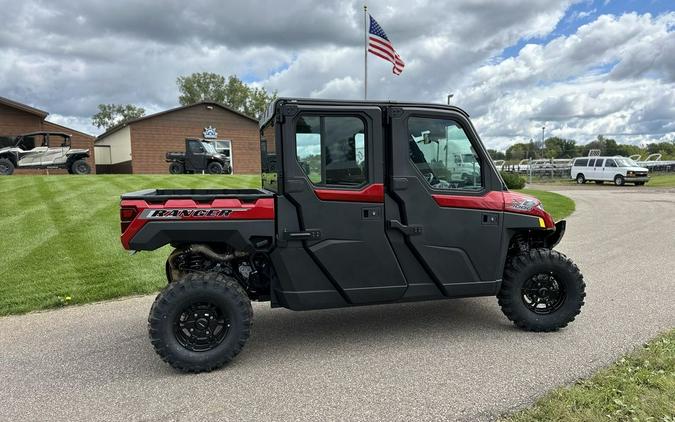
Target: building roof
[
  {"x": 161, "y": 113},
  {"x": 69, "y": 130},
  {"x": 23, "y": 107}
]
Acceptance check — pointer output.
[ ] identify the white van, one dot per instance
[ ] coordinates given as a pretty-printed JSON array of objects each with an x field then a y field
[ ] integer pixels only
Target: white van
[{"x": 608, "y": 169}]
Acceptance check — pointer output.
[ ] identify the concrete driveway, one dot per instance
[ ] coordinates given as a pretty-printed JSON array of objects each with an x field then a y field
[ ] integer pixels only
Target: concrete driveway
[{"x": 445, "y": 360}]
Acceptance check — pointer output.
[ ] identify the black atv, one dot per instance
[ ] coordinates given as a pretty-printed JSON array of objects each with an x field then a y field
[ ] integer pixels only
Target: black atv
[{"x": 199, "y": 157}]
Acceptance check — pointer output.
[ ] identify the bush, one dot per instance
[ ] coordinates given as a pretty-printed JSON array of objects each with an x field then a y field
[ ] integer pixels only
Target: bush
[{"x": 513, "y": 181}]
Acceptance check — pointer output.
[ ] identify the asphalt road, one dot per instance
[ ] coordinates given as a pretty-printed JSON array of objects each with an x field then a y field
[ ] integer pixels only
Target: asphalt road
[{"x": 445, "y": 360}]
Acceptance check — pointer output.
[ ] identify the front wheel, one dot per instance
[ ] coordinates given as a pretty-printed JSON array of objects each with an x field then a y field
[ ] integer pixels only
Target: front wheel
[
  {"x": 619, "y": 180},
  {"x": 200, "y": 322},
  {"x": 542, "y": 290},
  {"x": 80, "y": 167},
  {"x": 215, "y": 168},
  {"x": 581, "y": 179}
]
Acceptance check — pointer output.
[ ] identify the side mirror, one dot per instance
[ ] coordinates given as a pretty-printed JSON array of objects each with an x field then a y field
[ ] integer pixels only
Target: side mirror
[{"x": 425, "y": 138}]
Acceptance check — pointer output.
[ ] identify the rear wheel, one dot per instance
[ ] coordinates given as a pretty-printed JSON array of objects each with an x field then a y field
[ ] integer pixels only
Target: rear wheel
[
  {"x": 80, "y": 167},
  {"x": 619, "y": 180},
  {"x": 215, "y": 168},
  {"x": 200, "y": 322},
  {"x": 176, "y": 168},
  {"x": 581, "y": 179},
  {"x": 6, "y": 167},
  {"x": 542, "y": 290}
]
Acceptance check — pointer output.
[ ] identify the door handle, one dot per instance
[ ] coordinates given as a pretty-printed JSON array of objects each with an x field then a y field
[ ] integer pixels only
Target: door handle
[{"x": 409, "y": 230}]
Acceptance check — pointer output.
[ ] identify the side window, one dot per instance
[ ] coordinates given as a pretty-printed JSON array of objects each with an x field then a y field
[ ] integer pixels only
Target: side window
[
  {"x": 610, "y": 163},
  {"x": 27, "y": 143},
  {"x": 195, "y": 147},
  {"x": 331, "y": 149},
  {"x": 442, "y": 152},
  {"x": 591, "y": 162},
  {"x": 598, "y": 162},
  {"x": 582, "y": 162}
]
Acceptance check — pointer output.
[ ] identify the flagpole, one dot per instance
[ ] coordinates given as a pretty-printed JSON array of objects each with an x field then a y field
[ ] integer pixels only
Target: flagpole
[{"x": 365, "y": 52}]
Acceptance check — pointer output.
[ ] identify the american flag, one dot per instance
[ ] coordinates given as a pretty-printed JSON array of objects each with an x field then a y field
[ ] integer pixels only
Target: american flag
[{"x": 379, "y": 45}]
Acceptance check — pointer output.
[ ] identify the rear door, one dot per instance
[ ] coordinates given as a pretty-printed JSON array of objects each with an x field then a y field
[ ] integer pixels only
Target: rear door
[
  {"x": 334, "y": 179},
  {"x": 447, "y": 201},
  {"x": 598, "y": 172},
  {"x": 56, "y": 151}
]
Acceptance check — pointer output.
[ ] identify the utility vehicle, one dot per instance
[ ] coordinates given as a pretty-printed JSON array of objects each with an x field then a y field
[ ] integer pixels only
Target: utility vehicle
[
  {"x": 360, "y": 206},
  {"x": 43, "y": 150},
  {"x": 199, "y": 156},
  {"x": 619, "y": 170}
]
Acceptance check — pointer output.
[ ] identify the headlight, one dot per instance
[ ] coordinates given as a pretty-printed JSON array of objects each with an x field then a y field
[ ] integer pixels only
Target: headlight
[{"x": 630, "y": 173}]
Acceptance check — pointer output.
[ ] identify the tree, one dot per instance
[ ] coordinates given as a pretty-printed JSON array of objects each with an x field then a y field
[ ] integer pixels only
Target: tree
[
  {"x": 496, "y": 155},
  {"x": 110, "y": 115},
  {"x": 233, "y": 92},
  {"x": 560, "y": 148}
]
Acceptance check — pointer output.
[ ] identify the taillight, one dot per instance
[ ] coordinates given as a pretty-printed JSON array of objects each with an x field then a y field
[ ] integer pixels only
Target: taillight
[{"x": 127, "y": 215}]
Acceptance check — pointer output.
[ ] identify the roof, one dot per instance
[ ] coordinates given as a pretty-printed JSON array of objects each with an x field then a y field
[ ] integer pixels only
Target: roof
[
  {"x": 23, "y": 107},
  {"x": 58, "y": 126},
  {"x": 172, "y": 110},
  {"x": 271, "y": 109}
]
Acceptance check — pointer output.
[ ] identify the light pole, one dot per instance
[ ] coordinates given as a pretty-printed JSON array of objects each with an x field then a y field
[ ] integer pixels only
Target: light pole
[
  {"x": 543, "y": 130},
  {"x": 450, "y": 96}
]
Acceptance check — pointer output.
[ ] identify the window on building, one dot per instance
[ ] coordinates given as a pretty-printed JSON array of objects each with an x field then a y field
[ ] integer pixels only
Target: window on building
[
  {"x": 443, "y": 153},
  {"x": 331, "y": 150}
]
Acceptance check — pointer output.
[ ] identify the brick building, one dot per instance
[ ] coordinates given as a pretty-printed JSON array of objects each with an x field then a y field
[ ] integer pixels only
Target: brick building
[
  {"x": 17, "y": 118},
  {"x": 140, "y": 146}
]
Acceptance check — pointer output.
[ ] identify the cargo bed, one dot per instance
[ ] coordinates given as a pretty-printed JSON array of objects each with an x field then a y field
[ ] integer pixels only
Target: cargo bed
[{"x": 199, "y": 195}]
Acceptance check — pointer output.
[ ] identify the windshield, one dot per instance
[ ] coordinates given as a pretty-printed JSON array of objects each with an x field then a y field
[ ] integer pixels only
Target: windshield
[
  {"x": 625, "y": 162},
  {"x": 209, "y": 148}
]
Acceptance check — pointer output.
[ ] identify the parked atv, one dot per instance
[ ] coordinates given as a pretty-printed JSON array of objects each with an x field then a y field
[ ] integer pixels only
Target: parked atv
[
  {"x": 199, "y": 157},
  {"x": 41, "y": 150},
  {"x": 354, "y": 211}
]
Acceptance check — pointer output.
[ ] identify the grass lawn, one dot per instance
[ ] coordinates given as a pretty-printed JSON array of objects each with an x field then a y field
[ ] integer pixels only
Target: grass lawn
[
  {"x": 558, "y": 205},
  {"x": 60, "y": 238},
  {"x": 639, "y": 387},
  {"x": 662, "y": 180}
]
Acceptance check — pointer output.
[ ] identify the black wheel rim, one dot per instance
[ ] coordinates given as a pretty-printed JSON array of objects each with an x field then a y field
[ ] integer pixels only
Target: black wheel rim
[
  {"x": 81, "y": 168},
  {"x": 4, "y": 169},
  {"x": 201, "y": 326},
  {"x": 543, "y": 293}
]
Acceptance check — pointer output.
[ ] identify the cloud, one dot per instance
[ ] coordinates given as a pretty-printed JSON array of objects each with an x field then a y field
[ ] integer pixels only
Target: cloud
[
  {"x": 558, "y": 84},
  {"x": 614, "y": 74}
]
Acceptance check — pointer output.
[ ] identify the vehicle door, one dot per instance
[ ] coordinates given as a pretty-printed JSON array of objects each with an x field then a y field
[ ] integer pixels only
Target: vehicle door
[
  {"x": 610, "y": 169},
  {"x": 55, "y": 154},
  {"x": 195, "y": 155},
  {"x": 32, "y": 147},
  {"x": 333, "y": 176},
  {"x": 598, "y": 171},
  {"x": 450, "y": 216}
]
